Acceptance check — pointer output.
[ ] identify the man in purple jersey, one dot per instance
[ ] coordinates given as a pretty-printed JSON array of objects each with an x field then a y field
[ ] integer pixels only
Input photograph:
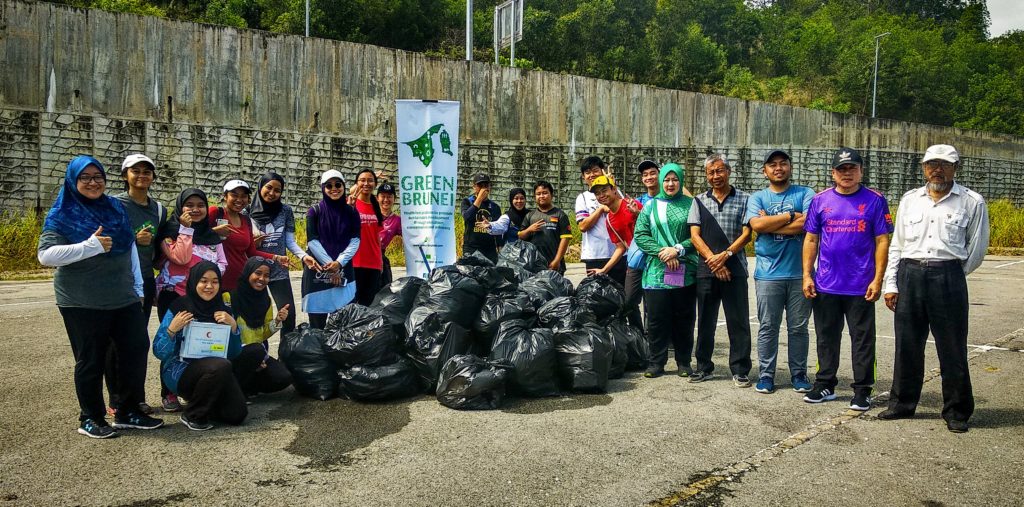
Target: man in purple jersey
[{"x": 848, "y": 229}]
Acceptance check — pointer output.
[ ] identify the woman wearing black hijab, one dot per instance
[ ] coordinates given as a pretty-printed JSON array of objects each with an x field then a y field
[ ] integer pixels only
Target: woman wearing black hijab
[
  {"x": 256, "y": 371},
  {"x": 208, "y": 383},
  {"x": 509, "y": 224},
  {"x": 275, "y": 222}
]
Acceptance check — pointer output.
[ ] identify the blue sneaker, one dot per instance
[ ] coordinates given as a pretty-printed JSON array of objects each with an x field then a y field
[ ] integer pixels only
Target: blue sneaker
[
  {"x": 765, "y": 385},
  {"x": 801, "y": 384}
]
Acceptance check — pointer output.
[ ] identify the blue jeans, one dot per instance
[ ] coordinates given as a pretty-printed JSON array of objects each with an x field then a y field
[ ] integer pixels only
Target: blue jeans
[{"x": 774, "y": 296}]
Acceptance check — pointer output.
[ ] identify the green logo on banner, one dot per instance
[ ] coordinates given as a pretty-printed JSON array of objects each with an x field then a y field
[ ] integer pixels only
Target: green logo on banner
[{"x": 423, "y": 147}]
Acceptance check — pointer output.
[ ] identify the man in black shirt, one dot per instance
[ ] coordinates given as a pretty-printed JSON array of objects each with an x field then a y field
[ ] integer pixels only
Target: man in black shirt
[
  {"x": 549, "y": 227},
  {"x": 477, "y": 212}
]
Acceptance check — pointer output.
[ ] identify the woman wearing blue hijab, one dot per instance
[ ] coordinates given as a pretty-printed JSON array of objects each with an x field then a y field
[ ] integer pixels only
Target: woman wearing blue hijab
[{"x": 87, "y": 236}]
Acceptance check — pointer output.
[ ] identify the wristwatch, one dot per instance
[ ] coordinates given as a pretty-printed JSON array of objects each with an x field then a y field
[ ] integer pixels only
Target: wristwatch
[
  {"x": 728, "y": 253},
  {"x": 792, "y": 216}
]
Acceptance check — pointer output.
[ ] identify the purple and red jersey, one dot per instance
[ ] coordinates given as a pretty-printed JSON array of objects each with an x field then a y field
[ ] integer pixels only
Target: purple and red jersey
[{"x": 846, "y": 226}]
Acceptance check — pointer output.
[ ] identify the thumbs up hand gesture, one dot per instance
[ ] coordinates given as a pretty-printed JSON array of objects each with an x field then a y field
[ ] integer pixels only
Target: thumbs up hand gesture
[{"x": 105, "y": 241}]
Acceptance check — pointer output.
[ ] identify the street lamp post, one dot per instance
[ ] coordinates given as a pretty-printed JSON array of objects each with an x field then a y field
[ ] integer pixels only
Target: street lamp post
[
  {"x": 469, "y": 30},
  {"x": 874, "y": 87},
  {"x": 307, "y": 18}
]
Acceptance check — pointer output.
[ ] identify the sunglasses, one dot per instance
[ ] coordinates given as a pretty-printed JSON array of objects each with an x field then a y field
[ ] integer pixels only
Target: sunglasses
[{"x": 333, "y": 185}]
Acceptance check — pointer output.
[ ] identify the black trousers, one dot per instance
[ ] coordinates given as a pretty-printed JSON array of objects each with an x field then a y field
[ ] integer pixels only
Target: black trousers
[
  {"x": 618, "y": 273},
  {"x": 712, "y": 293},
  {"x": 253, "y": 378},
  {"x": 110, "y": 370},
  {"x": 932, "y": 298},
  {"x": 281, "y": 291},
  {"x": 673, "y": 315},
  {"x": 92, "y": 332},
  {"x": 635, "y": 294},
  {"x": 317, "y": 321},
  {"x": 212, "y": 391},
  {"x": 385, "y": 275},
  {"x": 830, "y": 310},
  {"x": 367, "y": 285}
]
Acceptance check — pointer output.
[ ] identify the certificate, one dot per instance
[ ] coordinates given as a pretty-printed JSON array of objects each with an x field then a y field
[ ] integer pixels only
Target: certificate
[{"x": 204, "y": 339}]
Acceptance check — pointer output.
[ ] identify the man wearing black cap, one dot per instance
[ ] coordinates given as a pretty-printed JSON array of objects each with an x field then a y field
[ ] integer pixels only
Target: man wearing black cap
[
  {"x": 477, "y": 212},
  {"x": 848, "y": 230},
  {"x": 390, "y": 227},
  {"x": 776, "y": 213}
]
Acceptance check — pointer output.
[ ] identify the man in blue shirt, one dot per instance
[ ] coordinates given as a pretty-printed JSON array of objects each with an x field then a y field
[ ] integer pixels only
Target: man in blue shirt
[{"x": 776, "y": 213}]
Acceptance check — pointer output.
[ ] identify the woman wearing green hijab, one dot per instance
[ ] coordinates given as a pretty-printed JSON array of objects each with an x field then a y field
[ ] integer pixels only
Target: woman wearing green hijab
[{"x": 669, "y": 278}]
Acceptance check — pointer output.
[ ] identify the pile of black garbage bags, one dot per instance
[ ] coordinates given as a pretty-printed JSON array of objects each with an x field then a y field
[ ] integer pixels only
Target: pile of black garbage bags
[{"x": 472, "y": 334}]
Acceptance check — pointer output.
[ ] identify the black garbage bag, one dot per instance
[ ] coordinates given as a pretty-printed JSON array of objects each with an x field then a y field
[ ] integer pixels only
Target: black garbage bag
[
  {"x": 584, "y": 358},
  {"x": 620, "y": 356},
  {"x": 522, "y": 254},
  {"x": 603, "y": 295},
  {"x": 632, "y": 341},
  {"x": 563, "y": 313},
  {"x": 364, "y": 338},
  {"x": 481, "y": 269},
  {"x": 531, "y": 352},
  {"x": 375, "y": 383},
  {"x": 472, "y": 383},
  {"x": 302, "y": 352},
  {"x": 501, "y": 307},
  {"x": 456, "y": 297},
  {"x": 432, "y": 344},
  {"x": 545, "y": 286},
  {"x": 397, "y": 299}
]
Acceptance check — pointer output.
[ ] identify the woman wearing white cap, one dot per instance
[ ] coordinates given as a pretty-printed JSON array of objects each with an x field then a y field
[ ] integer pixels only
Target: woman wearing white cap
[
  {"x": 237, "y": 231},
  {"x": 332, "y": 238}
]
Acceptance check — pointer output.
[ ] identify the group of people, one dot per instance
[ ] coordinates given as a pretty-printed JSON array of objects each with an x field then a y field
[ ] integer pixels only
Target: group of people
[
  {"x": 220, "y": 263},
  {"x": 832, "y": 254},
  {"x": 678, "y": 255}
]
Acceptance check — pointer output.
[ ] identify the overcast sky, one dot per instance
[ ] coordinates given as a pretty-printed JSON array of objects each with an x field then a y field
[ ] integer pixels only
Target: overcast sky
[{"x": 1006, "y": 15}]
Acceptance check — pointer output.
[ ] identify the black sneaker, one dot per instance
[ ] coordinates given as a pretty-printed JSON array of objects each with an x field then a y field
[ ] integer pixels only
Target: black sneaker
[
  {"x": 96, "y": 429},
  {"x": 136, "y": 421},
  {"x": 741, "y": 381},
  {"x": 956, "y": 426},
  {"x": 684, "y": 371},
  {"x": 654, "y": 372},
  {"x": 891, "y": 413},
  {"x": 861, "y": 402},
  {"x": 700, "y": 376},
  {"x": 196, "y": 425},
  {"x": 820, "y": 394}
]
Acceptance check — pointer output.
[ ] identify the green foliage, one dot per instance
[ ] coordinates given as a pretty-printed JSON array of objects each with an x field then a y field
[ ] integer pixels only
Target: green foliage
[
  {"x": 130, "y": 6},
  {"x": 19, "y": 237}
]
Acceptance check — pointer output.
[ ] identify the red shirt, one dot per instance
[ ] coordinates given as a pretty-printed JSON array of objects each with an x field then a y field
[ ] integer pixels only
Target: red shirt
[
  {"x": 621, "y": 222},
  {"x": 368, "y": 256},
  {"x": 238, "y": 247}
]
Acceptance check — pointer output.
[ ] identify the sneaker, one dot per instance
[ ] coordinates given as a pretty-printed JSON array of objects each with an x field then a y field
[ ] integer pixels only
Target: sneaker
[
  {"x": 170, "y": 403},
  {"x": 685, "y": 371},
  {"x": 654, "y": 372},
  {"x": 765, "y": 385},
  {"x": 700, "y": 376},
  {"x": 145, "y": 408},
  {"x": 891, "y": 413},
  {"x": 96, "y": 429},
  {"x": 801, "y": 384},
  {"x": 137, "y": 421},
  {"x": 820, "y": 394},
  {"x": 741, "y": 381},
  {"x": 195, "y": 425},
  {"x": 861, "y": 402},
  {"x": 956, "y": 426}
]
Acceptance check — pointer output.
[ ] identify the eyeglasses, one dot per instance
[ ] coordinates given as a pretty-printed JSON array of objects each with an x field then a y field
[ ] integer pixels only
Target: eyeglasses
[
  {"x": 331, "y": 186},
  {"x": 96, "y": 178}
]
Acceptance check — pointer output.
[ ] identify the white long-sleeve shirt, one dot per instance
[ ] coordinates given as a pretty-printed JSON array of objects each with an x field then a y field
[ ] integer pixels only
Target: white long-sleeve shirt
[{"x": 953, "y": 228}]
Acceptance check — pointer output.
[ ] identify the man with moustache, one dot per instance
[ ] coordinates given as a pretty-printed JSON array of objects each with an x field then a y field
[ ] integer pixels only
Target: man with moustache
[{"x": 942, "y": 233}]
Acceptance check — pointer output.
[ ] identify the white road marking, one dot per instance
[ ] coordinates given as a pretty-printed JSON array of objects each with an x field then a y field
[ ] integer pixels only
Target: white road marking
[
  {"x": 27, "y": 303},
  {"x": 1007, "y": 264}
]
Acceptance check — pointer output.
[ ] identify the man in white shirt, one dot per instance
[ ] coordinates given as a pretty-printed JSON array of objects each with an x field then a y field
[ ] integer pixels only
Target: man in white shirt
[
  {"x": 597, "y": 246},
  {"x": 941, "y": 236}
]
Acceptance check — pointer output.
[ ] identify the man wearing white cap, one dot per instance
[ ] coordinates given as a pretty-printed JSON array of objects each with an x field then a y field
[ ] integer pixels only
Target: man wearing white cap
[{"x": 941, "y": 236}]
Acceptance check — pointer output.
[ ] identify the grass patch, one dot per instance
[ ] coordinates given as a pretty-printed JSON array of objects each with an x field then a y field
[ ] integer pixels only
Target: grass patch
[{"x": 19, "y": 237}]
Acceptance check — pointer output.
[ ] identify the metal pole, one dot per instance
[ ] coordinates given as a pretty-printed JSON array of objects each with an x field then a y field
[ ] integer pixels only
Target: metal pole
[
  {"x": 497, "y": 41},
  {"x": 469, "y": 30},
  {"x": 874, "y": 86},
  {"x": 512, "y": 52},
  {"x": 307, "y": 18}
]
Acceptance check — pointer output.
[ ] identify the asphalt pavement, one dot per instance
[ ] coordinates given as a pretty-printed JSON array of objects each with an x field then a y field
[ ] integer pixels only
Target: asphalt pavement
[{"x": 663, "y": 441}]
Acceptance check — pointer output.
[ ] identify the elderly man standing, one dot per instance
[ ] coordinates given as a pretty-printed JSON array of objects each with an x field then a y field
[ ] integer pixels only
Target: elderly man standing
[
  {"x": 941, "y": 237},
  {"x": 719, "y": 232},
  {"x": 848, "y": 230}
]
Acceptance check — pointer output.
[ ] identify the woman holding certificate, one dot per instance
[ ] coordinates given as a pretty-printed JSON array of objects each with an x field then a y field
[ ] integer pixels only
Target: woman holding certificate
[
  {"x": 194, "y": 354},
  {"x": 669, "y": 278}
]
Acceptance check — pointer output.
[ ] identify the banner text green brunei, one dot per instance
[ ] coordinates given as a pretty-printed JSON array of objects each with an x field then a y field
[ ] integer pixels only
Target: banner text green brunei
[{"x": 428, "y": 190}]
